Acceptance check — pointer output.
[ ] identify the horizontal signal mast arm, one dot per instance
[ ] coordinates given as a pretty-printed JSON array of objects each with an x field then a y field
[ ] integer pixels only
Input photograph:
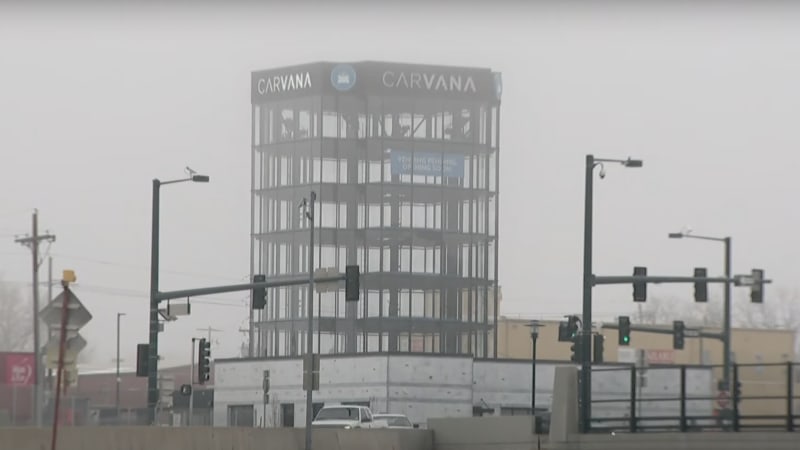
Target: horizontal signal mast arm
[
  {"x": 169, "y": 295},
  {"x": 655, "y": 280}
]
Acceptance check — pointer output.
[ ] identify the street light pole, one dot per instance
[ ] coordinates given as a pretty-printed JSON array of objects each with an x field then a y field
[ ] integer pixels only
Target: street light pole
[
  {"x": 118, "y": 379},
  {"x": 310, "y": 332},
  {"x": 152, "y": 357},
  {"x": 534, "y": 336},
  {"x": 585, "y": 392},
  {"x": 726, "y": 329},
  {"x": 726, "y": 320}
]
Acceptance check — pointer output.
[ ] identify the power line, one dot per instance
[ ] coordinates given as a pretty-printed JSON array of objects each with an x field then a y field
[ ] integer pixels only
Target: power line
[{"x": 136, "y": 266}]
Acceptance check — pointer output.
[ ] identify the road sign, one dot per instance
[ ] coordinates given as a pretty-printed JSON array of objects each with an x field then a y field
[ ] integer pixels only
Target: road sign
[
  {"x": 691, "y": 333},
  {"x": 325, "y": 272},
  {"x": 311, "y": 372},
  {"x": 72, "y": 347},
  {"x": 166, "y": 386},
  {"x": 723, "y": 400},
  {"x": 77, "y": 316},
  {"x": 743, "y": 280}
]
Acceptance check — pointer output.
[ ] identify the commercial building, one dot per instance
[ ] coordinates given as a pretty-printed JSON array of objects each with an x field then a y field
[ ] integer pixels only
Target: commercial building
[
  {"x": 16, "y": 388},
  {"x": 764, "y": 355},
  {"x": 404, "y": 161},
  {"x": 749, "y": 345},
  {"x": 425, "y": 386}
]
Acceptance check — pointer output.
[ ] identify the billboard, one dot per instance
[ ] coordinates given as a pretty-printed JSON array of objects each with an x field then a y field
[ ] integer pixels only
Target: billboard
[
  {"x": 426, "y": 163},
  {"x": 18, "y": 369}
]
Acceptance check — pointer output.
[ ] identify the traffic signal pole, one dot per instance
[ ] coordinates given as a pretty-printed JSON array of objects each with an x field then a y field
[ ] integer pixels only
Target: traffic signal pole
[
  {"x": 586, "y": 331},
  {"x": 152, "y": 357},
  {"x": 191, "y": 393},
  {"x": 157, "y": 297},
  {"x": 726, "y": 325}
]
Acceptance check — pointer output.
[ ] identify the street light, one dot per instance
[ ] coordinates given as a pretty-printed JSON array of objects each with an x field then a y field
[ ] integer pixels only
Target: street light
[
  {"x": 152, "y": 363},
  {"x": 534, "y": 325},
  {"x": 307, "y": 206},
  {"x": 586, "y": 332},
  {"x": 726, "y": 321},
  {"x": 118, "y": 380}
]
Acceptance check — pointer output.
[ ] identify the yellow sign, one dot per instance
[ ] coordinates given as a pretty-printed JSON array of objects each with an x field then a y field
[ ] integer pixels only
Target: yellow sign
[{"x": 68, "y": 276}]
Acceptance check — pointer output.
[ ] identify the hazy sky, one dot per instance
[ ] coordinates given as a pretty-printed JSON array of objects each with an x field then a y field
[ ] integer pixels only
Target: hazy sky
[{"x": 94, "y": 103}]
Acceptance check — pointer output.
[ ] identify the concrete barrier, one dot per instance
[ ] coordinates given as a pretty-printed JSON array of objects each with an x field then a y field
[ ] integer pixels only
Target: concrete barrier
[
  {"x": 564, "y": 412},
  {"x": 682, "y": 441},
  {"x": 205, "y": 438},
  {"x": 483, "y": 433},
  {"x": 514, "y": 433}
]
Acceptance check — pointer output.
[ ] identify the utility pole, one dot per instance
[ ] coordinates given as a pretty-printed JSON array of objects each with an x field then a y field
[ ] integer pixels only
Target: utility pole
[
  {"x": 33, "y": 243},
  {"x": 49, "y": 298},
  {"x": 210, "y": 330}
]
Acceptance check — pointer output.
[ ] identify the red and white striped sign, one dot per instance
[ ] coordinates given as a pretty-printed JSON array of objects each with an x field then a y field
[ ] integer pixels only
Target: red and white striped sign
[{"x": 660, "y": 356}]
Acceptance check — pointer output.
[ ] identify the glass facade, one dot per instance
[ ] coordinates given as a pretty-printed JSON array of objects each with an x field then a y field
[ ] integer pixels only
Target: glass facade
[{"x": 406, "y": 188}]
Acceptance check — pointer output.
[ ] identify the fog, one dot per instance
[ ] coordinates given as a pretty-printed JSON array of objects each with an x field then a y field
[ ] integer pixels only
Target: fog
[{"x": 96, "y": 101}]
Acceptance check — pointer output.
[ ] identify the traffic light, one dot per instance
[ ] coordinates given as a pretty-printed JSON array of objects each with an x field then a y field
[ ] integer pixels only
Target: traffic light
[
  {"x": 678, "y": 329},
  {"x": 738, "y": 392},
  {"x": 259, "y": 294},
  {"x": 700, "y": 287},
  {"x": 203, "y": 361},
  {"x": 564, "y": 334},
  {"x": 572, "y": 323},
  {"x": 142, "y": 359},
  {"x": 640, "y": 287},
  {"x": 577, "y": 349},
  {"x": 352, "y": 283},
  {"x": 567, "y": 331},
  {"x": 624, "y": 330},
  {"x": 597, "y": 349},
  {"x": 757, "y": 288}
]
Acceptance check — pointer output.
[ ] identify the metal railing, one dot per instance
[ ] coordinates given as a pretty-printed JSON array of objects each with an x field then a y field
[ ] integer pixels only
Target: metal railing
[{"x": 762, "y": 396}]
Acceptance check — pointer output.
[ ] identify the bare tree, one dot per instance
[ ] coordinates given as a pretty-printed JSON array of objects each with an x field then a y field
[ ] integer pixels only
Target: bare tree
[
  {"x": 778, "y": 311},
  {"x": 16, "y": 329}
]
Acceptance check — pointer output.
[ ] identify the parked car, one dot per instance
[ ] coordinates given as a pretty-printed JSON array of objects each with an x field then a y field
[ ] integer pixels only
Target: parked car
[
  {"x": 344, "y": 416},
  {"x": 392, "y": 421}
]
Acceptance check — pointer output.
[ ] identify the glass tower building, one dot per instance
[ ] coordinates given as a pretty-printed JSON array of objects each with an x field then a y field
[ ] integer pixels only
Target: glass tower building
[{"x": 404, "y": 160}]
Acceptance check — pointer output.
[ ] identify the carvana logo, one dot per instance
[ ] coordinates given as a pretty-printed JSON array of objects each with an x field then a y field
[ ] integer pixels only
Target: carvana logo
[{"x": 343, "y": 77}]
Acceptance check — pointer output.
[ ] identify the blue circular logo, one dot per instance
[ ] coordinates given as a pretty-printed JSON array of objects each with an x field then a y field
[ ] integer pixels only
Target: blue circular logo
[{"x": 343, "y": 77}]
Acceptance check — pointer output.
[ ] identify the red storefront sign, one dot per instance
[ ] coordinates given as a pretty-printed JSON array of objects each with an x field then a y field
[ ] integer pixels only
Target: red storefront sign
[{"x": 19, "y": 369}]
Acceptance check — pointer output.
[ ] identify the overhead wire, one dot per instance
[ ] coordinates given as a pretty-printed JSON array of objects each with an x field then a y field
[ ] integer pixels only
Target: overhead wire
[{"x": 136, "y": 266}]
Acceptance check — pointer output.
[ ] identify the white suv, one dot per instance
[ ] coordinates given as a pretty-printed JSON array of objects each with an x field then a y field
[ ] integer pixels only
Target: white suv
[{"x": 344, "y": 416}]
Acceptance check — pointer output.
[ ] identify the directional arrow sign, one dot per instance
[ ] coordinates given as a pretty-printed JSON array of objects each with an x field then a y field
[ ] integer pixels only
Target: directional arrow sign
[{"x": 77, "y": 317}]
